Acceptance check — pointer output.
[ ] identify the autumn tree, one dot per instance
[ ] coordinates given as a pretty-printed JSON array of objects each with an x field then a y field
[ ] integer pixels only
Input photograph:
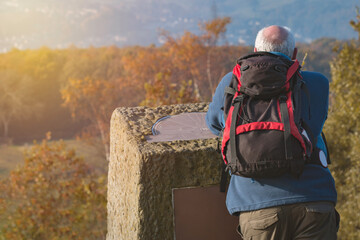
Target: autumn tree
[
  {"x": 162, "y": 92},
  {"x": 93, "y": 62},
  {"x": 158, "y": 77},
  {"x": 93, "y": 100},
  {"x": 185, "y": 53},
  {"x": 141, "y": 66},
  {"x": 343, "y": 129},
  {"x": 213, "y": 30},
  {"x": 92, "y": 88},
  {"x": 16, "y": 101},
  {"x": 181, "y": 70},
  {"x": 54, "y": 195},
  {"x": 43, "y": 68}
]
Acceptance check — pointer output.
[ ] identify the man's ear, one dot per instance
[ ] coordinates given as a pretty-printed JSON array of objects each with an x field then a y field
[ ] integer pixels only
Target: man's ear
[
  {"x": 255, "y": 50},
  {"x": 294, "y": 54}
]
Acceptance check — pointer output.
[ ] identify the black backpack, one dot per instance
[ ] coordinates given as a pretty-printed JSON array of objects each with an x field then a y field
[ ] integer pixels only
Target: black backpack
[{"x": 264, "y": 133}]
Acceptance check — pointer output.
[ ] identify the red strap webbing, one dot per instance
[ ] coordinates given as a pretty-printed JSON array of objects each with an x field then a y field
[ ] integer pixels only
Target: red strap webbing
[
  {"x": 237, "y": 73},
  {"x": 226, "y": 135},
  {"x": 294, "y": 130},
  {"x": 291, "y": 71}
]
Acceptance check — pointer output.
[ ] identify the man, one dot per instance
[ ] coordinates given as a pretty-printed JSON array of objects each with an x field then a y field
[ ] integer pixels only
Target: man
[{"x": 284, "y": 207}]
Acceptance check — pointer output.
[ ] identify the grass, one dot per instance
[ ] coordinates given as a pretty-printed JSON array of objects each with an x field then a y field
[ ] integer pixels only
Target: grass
[
  {"x": 10, "y": 157},
  {"x": 13, "y": 155}
]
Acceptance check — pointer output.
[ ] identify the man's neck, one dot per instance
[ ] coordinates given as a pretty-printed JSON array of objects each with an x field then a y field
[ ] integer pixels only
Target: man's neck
[{"x": 281, "y": 54}]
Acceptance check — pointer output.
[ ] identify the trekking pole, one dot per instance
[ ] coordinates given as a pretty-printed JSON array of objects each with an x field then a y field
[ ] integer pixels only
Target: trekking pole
[{"x": 303, "y": 61}]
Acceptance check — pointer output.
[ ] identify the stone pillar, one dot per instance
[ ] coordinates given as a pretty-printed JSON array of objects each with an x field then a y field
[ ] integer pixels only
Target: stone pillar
[{"x": 142, "y": 174}]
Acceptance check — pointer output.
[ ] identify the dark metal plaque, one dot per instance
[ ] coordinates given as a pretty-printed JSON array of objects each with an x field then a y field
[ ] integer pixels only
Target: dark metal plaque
[{"x": 200, "y": 213}]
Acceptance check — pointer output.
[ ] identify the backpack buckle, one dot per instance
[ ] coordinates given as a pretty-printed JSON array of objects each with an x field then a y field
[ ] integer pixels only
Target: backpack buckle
[{"x": 239, "y": 98}]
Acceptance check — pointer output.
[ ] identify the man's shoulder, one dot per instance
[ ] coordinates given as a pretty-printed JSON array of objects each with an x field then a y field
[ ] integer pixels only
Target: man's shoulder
[
  {"x": 314, "y": 76},
  {"x": 225, "y": 81},
  {"x": 227, "y": 77}
]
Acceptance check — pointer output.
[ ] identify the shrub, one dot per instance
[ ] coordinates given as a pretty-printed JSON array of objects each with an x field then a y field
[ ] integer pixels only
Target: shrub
[{"x": 54, "y": 195}]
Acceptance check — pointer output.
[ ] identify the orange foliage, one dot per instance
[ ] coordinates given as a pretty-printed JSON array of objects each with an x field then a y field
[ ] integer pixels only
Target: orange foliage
[
  {"x": 162, "y": 92},
  {"x": 93, "y": 100},
  {"x": 179, "y": 71},
  {"x": 94, "y": 81},
  {"x": 53, "y": 196},
  {"x": 214, "y": 29}
]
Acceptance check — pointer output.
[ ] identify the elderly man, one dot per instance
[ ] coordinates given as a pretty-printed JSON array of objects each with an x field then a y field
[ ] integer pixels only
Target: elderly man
[{"x": 286, "y": 206}]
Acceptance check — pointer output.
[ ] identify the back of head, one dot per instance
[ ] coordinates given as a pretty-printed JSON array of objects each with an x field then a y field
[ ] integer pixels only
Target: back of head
[{"x": 275, "y": 39}]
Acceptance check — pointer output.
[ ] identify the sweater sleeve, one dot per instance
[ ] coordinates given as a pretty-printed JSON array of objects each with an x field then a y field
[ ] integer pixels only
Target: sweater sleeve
[
  {"x": 318, "y": 86},
  {"x": 215, "y": 115}
]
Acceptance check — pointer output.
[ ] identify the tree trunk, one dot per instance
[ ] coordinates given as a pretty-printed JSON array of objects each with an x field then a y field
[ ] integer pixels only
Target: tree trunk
[
  {"x": 196, "y": 90},
  {"x": 104, "y": 139},
  {"x": 6, "y": 127},
  {"x": 208, "y": 71}
]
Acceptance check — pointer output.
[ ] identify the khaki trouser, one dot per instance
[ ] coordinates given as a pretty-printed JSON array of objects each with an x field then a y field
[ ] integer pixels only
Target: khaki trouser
[{"x": 316, "y": 220}]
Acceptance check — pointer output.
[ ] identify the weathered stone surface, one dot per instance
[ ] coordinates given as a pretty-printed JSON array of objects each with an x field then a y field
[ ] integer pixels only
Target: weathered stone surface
[{"x": 143, "y": 174}]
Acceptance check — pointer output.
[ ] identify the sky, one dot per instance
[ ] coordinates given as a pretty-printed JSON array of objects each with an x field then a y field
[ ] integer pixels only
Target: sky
[{"x": 60, "y": 23}]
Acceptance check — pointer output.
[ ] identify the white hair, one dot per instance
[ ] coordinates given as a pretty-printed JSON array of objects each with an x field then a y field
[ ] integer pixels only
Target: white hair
[{"x": 286, "y": 47}]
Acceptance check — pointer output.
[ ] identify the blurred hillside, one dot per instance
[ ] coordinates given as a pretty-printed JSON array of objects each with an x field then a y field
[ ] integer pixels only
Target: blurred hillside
[{"x": 34, "y": 23}]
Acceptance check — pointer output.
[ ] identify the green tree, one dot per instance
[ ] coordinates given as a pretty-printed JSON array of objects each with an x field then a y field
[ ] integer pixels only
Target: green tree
[
  {"x": 54, "y": 195},
  {"x": 343, "y": 129}
]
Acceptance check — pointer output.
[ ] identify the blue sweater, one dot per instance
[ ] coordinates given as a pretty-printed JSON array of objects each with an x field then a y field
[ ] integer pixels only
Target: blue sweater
[{"x": 315, "y": 184}]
